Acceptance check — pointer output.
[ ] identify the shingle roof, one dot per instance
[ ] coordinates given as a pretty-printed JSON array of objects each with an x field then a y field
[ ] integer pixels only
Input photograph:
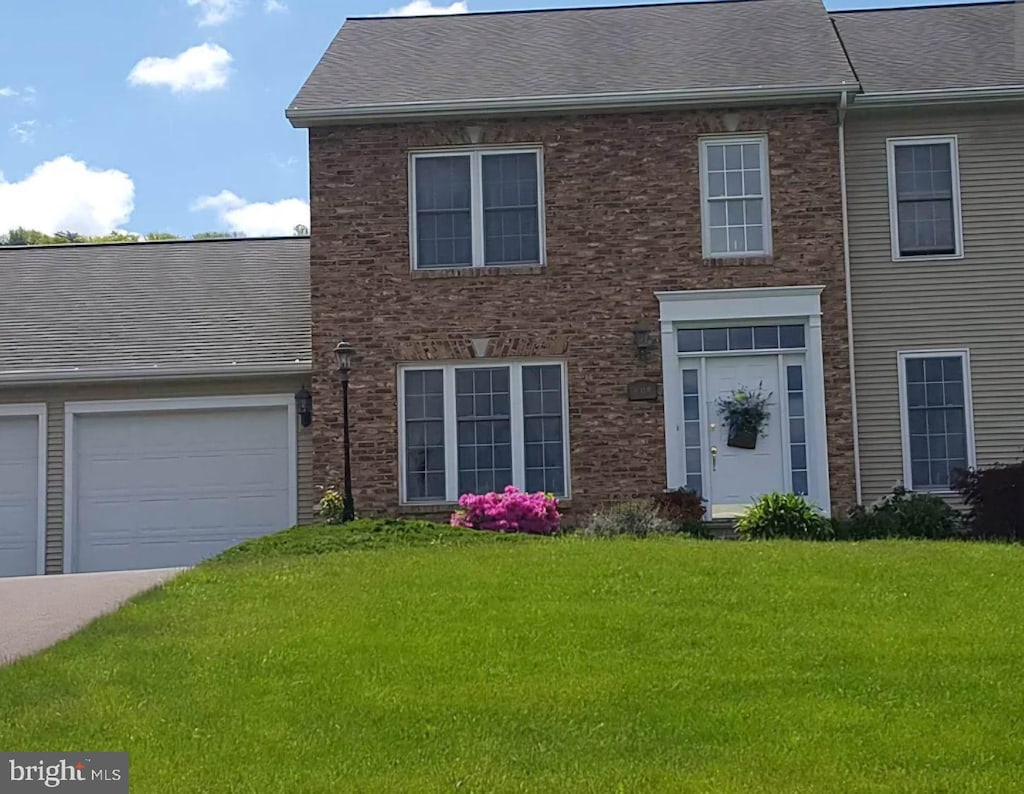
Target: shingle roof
[
  {"x": 161, "y": 305},
  {"x": 389, "y": 61},
  {"x": 936, "y": 47}
]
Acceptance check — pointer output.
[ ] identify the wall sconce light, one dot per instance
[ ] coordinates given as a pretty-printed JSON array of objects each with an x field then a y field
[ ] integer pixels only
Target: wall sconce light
[
  {"x": 642, "y": 341},
  {"x": 304, "y": 406}
]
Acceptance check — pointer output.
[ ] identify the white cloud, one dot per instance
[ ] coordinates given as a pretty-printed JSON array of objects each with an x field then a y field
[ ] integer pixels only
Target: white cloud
[
  {"x": 270, "y": 6},
  {"x": 425, "y": 8},
  {"x": 255, "y": 219},
  {"x": 64, "y": 193},
  {"x": 215, "y": 12},
  {"x": 23, "y": 131},
  {"x": 201, "y": 68},
  {"x": 8, "y": 91}
]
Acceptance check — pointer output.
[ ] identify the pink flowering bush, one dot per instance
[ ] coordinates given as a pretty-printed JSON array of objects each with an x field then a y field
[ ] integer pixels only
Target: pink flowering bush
[{"x": 511, "y": 510}]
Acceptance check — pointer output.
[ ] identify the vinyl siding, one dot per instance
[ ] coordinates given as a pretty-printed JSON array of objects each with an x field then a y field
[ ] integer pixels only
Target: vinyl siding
[
  {"x": 57, "y": 394},
  {"x": 974, "y": 302}
]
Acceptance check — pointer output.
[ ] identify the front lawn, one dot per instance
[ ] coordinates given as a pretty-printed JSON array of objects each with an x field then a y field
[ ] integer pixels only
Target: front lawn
[{"x": 467, "y": 662}]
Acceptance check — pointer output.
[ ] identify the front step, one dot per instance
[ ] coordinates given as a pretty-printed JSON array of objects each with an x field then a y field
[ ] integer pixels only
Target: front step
[{"x": 721, "y": 529}]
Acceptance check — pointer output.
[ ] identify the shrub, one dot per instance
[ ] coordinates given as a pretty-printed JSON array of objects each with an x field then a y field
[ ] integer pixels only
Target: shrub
[
  {"x": 995, "y": 496},
  {"x": 638, "y": 518},
  {"x": 511, "y": 510},
  {"x": 902, "y": 514},
  {"x": 681, "y": 506},
  {"x": 331, "y": 507},
  {"x": 783, "y": 515}
]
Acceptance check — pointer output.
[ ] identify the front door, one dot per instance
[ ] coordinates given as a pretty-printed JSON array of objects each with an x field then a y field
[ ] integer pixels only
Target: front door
[{"x": 740, "y": 476}]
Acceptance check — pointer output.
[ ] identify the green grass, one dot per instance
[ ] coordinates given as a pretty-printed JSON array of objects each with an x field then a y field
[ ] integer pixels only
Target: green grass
[{"x": 456, "y": 661}]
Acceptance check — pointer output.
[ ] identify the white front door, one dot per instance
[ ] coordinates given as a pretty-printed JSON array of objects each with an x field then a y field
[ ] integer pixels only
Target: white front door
[{"x": 740, "y": 476}]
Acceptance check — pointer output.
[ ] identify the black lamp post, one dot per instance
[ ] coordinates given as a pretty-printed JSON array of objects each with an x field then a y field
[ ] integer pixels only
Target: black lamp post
[{"x": 343, "y": 353}]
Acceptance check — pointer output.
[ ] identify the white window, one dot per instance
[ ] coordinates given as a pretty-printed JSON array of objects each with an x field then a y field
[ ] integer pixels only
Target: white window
[
  {"x": 924, "y": 198},
  {"x": 735, "y": 198},
  {"x": 474, "y": 428},
  {"x": 935, "y": 409},
  {"x": 476, "y": 208}
]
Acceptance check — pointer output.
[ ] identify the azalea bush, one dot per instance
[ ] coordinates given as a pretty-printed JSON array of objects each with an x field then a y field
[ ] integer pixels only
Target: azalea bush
[
  {"x": 331, "y": 507},
  {"x": 511, "y": 510}
]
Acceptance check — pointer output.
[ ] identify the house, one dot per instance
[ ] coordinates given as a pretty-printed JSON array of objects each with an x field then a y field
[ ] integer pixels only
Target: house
[
  {"x": 558, "y": 238},
  {"x": 934, "y": 156},
  {"x": 147, "y": 409}
]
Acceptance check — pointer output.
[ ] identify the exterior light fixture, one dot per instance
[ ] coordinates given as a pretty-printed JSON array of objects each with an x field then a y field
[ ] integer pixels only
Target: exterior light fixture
[
  {"x": 304, "y": 406},
  {"x": 642, "y": 341}
]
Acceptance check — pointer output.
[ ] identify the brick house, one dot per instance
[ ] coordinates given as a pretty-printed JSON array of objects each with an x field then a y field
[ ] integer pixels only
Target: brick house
[{"x": 557, "y": 238}]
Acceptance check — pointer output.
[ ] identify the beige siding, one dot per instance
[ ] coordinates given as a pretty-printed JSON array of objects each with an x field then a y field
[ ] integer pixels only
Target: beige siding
[
  {"x": 56, "y": 395},
  {"x": 976, "y": 302}
]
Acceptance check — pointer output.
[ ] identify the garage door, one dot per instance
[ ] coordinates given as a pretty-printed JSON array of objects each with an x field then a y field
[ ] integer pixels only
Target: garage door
[
  {"x": 165, "y": 488},
  {"x": 19, "y": 495}
]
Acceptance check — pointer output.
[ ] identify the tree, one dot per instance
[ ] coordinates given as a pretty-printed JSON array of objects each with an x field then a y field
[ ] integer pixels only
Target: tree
[
  {"x": 301, "y": 231},
  {"x": 22, "y": 236},
  {"x": 216, "y": 235},
  {"x": 161, "y": 236}
]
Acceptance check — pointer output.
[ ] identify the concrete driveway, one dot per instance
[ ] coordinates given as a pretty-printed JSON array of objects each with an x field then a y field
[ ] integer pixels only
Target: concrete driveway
[{"x": 37, "y": 611}]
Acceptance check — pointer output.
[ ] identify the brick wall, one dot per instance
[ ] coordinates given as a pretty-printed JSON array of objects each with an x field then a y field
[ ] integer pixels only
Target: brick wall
[{"x": 622, "y": 210}]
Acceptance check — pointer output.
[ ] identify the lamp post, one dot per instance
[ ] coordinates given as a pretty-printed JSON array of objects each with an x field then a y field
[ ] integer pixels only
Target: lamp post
[{"x": 343, "y": 353}]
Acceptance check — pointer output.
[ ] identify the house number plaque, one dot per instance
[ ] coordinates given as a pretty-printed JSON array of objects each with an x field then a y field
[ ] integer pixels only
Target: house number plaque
[{"x": 643, "y": 390}]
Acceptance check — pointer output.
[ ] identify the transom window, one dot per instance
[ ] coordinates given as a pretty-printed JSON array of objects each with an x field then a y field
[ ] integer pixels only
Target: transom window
[
  {"x": 924, "y": 197},
  {"x": 937, "y": 433},
  {"x": 735, "y": 197},
  {"x": 477, "y": 208},
  {"x": 746, "y": 337},
  {"x": 478, "y": 428}
]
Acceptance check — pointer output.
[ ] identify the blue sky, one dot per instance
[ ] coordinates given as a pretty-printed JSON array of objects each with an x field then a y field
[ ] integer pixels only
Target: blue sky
[{"x": 97, "y": 132}]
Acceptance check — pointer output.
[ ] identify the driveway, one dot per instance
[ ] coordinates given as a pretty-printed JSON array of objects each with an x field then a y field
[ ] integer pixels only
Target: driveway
[{"x": 37, "y": 611}]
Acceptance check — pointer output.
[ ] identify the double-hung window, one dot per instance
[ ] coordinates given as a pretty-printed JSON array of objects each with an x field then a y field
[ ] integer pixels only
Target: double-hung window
[
  {"x": 924, "y": 198},
  {"x": 477, "y": 208},
  {"x": 938, "y": 436},
  {"x": 476, "y": 428},
  {"x": 735, "y": 199}
]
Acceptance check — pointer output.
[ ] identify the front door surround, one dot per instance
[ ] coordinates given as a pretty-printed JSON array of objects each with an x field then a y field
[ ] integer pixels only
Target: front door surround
[{"x": 717, "y": 341}]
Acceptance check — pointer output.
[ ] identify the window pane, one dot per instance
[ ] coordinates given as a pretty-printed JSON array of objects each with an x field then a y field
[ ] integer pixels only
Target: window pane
[
  {"x": 510, "y": 203},
  {"x": 689, "y": 341},
  {"x": 924, "y": 194},
  {"x": 937, "y": 421},
  {"x": 443, "y": 215},
  {"x": 690, "y": 381},
  {"x": 716, "y": 339},
  {"x": 482, "y": 415},
  {"x": 543, "y": 428},
  {"x": 424, "y": 435},
  {"x": 741, "y": 338},
  {"x": 791, "y": 336},
  {"x": 766, "y": 337}
]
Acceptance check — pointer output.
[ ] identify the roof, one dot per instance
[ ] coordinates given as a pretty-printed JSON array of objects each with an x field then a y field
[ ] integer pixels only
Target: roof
[
  {"x": 471, "y": 61},
  {"x": 159, "y": 307},
  {"x": 935, "y": 47}
]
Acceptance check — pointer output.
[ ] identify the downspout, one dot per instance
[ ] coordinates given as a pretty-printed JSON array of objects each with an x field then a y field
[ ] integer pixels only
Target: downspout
[{"x": 843, "y": 102}]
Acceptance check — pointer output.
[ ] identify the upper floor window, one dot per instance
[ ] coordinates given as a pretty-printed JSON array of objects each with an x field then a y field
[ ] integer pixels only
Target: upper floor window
[
  {"x": 924, "y": 197},
  {"x": 475, "y": 208},
  {"x": 735, "y": 206}
]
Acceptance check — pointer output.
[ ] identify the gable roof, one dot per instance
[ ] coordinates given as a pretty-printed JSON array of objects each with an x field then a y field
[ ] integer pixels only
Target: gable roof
[
  {"x": 76, "y": 311},
  {"x": 387, "y": 67},
  {"x": 935, "y": 48}
]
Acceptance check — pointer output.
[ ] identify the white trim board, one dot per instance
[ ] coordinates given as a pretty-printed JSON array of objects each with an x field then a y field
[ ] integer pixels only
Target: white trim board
[
  {"x": 37, "y": 410},
  {"x": 174, "y": 404},
  {"x": 901, "y": 365}
]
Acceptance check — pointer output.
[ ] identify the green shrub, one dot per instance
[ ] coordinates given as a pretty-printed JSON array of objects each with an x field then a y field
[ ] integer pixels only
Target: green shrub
[
  {"x": 783, "y": 515},
  {"x": 995, "y": 496},
  {"x": 638, "y": 518},
  {"x": 902, "y": 514},
  {"x": 681, "y": 506}
]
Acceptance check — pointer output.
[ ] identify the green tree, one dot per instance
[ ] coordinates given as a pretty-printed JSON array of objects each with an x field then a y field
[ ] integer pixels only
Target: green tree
[{"x": 216, "y": 235}]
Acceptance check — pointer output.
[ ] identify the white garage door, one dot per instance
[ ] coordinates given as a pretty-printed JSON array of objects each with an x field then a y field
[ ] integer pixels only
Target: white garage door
[
  {"x": 165, "y": 488},
  {"x": 19, "y": 495}
]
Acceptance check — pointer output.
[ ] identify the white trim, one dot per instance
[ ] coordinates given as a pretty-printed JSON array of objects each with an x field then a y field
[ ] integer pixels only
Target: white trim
[
  {"x": 448, "y": 369},
  {"x": 901, "y": 364},
  {"x": 38, "y": 410},
  {"x": 940, "y": 96},
  {"x": 800, "y": 304},
  {"x": 74, "y": 409},
  {"x": 766, "y": 202},
  {"x": 726, "y": 95},
  {"x": 894, "y": 230},
  {"x": 476, "y": 155},
  {"x": 22, "y": 377}
]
